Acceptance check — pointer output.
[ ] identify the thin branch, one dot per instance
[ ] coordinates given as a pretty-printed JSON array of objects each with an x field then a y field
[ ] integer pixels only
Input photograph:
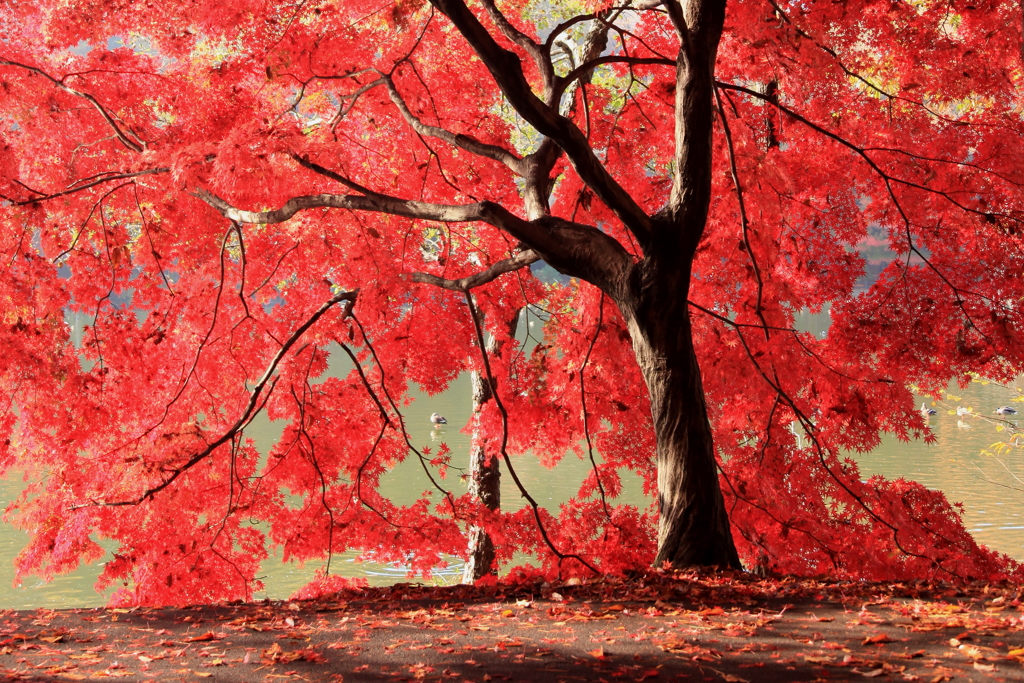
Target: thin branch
[
  {"x": 98, "y": 181},
  {"x": 744, "y": 224},
  {"x": 583, "y": 408},
  {"x": 470, "y": 144},
  {"x": 401, "y": 420},
  {"x": 245, "y": 418},
  {"x": 520, "y": 260},
  {"x": 366, "y": 383},
  {"x": 589, "y": 66},
  {"x": 149, "y": 237},
  {"x": 888, "y": 181},
  {"x": 128, "y": 137}
]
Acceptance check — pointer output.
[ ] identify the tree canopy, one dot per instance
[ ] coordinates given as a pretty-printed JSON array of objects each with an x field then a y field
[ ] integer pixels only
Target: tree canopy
[{"x": 231, "y": 192}]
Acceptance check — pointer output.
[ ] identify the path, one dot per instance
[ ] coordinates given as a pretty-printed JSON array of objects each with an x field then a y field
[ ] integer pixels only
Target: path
[{"x": 694, "y": 628}]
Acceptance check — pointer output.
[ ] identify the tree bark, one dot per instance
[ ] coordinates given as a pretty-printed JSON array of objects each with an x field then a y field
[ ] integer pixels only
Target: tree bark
[
  {"x": 693, "y": 526},
  {"x": 484, "y": 472},
  {"x": 485, "y": 484}
]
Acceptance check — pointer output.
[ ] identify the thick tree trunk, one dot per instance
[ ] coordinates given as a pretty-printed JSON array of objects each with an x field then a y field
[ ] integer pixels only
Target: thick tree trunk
[{"x": 693, "y": 527}]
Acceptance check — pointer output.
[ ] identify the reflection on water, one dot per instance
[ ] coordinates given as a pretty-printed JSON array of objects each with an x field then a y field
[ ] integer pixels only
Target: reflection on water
[
  {"x": 993, "y": 512},
  {"x": 989, "y": 486}
]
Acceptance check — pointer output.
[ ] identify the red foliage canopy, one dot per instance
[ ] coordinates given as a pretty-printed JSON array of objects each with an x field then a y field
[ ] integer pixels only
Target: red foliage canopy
[{"x": 135, "y": 137}]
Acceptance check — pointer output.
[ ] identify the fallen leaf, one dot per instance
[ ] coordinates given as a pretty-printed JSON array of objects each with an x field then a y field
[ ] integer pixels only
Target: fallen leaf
[
  {"x": 877, "y": 639},
  {"x": 729, "y": 678},
  {"x": 984, "y": 667}
]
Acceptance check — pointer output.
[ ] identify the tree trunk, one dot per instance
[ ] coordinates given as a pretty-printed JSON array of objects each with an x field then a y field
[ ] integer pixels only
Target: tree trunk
[
  {"x": 693, "y": 527},
  {"x": 485, "y": 484},
  {"x": 484, "y": 473}
]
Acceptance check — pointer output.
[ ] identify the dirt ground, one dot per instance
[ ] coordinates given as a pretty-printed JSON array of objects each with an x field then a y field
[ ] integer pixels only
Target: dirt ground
[{"x": 708, "y": 627}]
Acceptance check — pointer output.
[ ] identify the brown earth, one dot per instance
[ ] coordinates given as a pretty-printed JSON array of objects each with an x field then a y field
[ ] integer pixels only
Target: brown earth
[{"x": 661, "y": 627}]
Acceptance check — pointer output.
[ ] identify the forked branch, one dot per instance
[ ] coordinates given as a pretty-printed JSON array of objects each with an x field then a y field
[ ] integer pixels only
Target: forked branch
[{"x": 507, "y": 70}]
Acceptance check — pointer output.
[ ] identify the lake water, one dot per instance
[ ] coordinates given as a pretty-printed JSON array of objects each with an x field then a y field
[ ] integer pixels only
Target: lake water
[{"x": 992, "y": 495}]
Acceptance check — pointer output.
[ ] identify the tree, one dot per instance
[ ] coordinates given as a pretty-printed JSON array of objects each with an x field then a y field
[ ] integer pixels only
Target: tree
[{"x": 230, "y": 192}]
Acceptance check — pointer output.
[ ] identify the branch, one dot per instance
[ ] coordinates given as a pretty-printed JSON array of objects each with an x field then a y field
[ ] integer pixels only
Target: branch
[
  {"x": 856, "y": 76},
  {"x": 744, "y": 224},
  {"x": 507, "y": 71},
  {"x": 675, "y": 14},
  {"x": 888, "y": 181},
  {"x": 585, "y": 415},
  {"x": 106, "y": 177},
  {"x": 127, "y": 137},
  {"x": 575, "y": 249},
  {"x": 348, "y": 297},
  {"x": 444, "y": 213},
  {"x": 590, "y": 65},
  {"x": 465, "y": 142},
  {"x": 465, "y": 284},
  {"x": 700, "y": 28},
  {"x": 541, "y": 57}
]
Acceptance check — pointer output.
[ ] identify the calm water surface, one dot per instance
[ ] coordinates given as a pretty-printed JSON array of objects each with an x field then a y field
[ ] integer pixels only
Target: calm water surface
[{"x": 992, "y": 496}]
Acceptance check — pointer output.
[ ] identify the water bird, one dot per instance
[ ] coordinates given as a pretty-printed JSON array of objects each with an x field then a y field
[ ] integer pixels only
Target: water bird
[
  {"x": 1005, "y": 410},
  {"x": 436, "y": 419},
  {"x": 926, "y": 411}
]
